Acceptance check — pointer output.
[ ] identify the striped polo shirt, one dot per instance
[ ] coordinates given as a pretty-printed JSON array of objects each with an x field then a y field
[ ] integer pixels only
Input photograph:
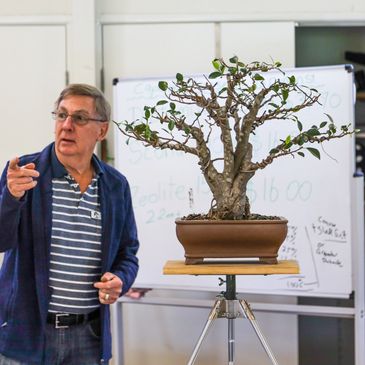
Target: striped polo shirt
[{"x": 75, "y": 252}]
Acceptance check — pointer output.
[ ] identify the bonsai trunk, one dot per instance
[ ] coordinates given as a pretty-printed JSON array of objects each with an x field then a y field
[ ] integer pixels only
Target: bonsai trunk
[
  {"x": 230, "y": 199},
  {"x": 229, "y": 186}
]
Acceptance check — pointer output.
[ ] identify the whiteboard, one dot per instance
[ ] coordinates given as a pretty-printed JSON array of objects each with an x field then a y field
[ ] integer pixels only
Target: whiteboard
[{"x": 314, "y": 195}]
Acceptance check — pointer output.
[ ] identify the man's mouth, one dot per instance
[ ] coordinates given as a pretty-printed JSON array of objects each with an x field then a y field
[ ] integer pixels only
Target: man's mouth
[{"x": 67, "y": 140}]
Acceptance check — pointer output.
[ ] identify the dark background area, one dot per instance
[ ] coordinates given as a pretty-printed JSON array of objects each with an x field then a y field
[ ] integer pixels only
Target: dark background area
[{"x": 324, "y": 340}]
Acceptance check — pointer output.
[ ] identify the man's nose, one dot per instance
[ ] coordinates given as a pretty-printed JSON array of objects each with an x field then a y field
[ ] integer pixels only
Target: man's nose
[{"x": 68, "y": 124}]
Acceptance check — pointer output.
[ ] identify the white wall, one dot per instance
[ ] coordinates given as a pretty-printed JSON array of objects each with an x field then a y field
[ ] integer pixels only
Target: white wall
[
  {"x": 153, "y": 335},
  {"x": 274, "y": 10},
  {"x": 31, "y": 57},
  {"x": 259, "y": 10},
  {"x": 34, "y": 7}
]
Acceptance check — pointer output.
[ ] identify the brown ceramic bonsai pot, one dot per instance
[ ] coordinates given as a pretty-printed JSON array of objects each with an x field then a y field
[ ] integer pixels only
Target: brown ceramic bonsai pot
[{"x": 231, "y": 239}]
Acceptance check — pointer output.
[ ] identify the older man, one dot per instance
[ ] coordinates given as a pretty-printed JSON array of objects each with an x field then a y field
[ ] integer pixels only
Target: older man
[{"x": 68, "y": 231}]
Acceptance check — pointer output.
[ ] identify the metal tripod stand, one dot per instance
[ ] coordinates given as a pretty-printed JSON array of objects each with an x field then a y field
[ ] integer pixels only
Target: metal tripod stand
[{"x": 228, "y": 306}]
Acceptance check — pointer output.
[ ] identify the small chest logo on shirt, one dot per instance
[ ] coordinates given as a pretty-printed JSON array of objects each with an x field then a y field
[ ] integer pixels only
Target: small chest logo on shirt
[{"x": 95, "y": 214}]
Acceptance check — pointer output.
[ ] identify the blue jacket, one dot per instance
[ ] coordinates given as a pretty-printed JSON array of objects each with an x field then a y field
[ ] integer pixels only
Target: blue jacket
[{"x": 25, "y": 235}]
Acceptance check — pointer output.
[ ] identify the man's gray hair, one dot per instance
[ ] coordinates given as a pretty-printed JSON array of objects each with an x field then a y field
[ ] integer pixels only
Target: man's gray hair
[{"x": 102, "y": 105}]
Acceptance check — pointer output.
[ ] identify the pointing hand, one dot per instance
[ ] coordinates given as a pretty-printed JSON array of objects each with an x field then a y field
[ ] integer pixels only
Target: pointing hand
[{"x": 21, "y": 178}]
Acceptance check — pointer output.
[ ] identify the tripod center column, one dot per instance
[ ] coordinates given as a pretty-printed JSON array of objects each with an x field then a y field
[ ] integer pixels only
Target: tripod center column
[{"x": 230, "y": 293}]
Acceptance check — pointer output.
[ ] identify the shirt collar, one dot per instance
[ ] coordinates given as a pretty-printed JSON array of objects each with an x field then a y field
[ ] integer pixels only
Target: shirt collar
[
  {"x": 97, "y": 166},
  {"x": 58, "y": 170}
]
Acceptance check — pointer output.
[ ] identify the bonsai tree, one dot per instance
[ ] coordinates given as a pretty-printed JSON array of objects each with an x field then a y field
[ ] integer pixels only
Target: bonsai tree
[{"x": 237, "y": 99}]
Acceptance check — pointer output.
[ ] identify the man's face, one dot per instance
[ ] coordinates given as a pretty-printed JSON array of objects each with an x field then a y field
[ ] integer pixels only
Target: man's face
[{"x": 74, "y": 140}]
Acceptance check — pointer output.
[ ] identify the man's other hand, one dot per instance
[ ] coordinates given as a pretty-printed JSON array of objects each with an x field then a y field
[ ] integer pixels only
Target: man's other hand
[{"x": 110, "y": 287}]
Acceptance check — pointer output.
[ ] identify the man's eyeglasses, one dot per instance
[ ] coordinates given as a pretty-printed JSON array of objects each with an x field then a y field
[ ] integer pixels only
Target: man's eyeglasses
[{"x": 78, "y": 119}]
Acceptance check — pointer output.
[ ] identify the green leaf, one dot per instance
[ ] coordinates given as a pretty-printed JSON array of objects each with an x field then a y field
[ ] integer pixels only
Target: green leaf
[
  {"x": 179, "y": 77},
  {"x": 162, "y": 102},
  {"x": 274, "y": 105},
  {"x": 278, "y": 64},
  {"x": 300, "y": 154},
  {"x": 171, "y": 125},
  {"x": 323, "y": 124},
  {"x": 258, "y": 77},
  {"x": 330, "y": 118},
  {"x": 273, "y": 151},
  {"x": 300, "y": 125},
  {"x": 187, "y": 130},
  {"x": 163, "y": 85},
  {"x": 222, "y": 91},
  {"x": 140, "y": 128},
  {"x": 312, "y": 132},
  {"x": 332, "y": 128},
  {"x": 301, "y": 140},
  {"x": 314, "y": 152},
  {"x": 154, "y": 136},
  {"x": 288, "y": 140},
  {"x": 147, "y": 113},
  {"x": 214, "y": 75},
  {"x": 285, "y": 93},
  {"x": 147, "y": 132},
  {"x": 128, "y": 126},
  {"x": 216, "y": 64},
  {"x": 292, "y": 79},
  {"x": 233, "y": 59},
  {"x": 172, "y": 106}
]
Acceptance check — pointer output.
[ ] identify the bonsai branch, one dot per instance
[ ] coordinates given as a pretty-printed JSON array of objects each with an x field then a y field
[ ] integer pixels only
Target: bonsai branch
[{"x": 245, "y": 97}]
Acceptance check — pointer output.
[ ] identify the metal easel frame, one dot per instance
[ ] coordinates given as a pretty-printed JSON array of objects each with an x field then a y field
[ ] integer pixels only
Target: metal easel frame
[{"x": 228, "y": 306}]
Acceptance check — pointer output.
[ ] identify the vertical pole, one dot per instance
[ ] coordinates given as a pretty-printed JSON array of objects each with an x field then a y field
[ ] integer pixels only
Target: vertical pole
[
  {"x": 231, "y": 341},
  {"x": 230, "y": 293},
  {"x": 117, "y": 326},
  {"x": 81, "y": 42},
  {"x": 359, "y": 272},
  {"x": 230, "y": 296}
]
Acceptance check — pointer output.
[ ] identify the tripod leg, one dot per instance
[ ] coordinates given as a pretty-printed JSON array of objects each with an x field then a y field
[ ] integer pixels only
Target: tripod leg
[
  {"x": 231, "y": 341},
  {"x": 212, "y": 315},
  {"x": 250, "y": 316}
]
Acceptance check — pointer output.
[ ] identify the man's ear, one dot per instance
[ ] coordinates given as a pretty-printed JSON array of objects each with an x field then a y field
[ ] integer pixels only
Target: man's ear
[{"x": 104, "y": 126}]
